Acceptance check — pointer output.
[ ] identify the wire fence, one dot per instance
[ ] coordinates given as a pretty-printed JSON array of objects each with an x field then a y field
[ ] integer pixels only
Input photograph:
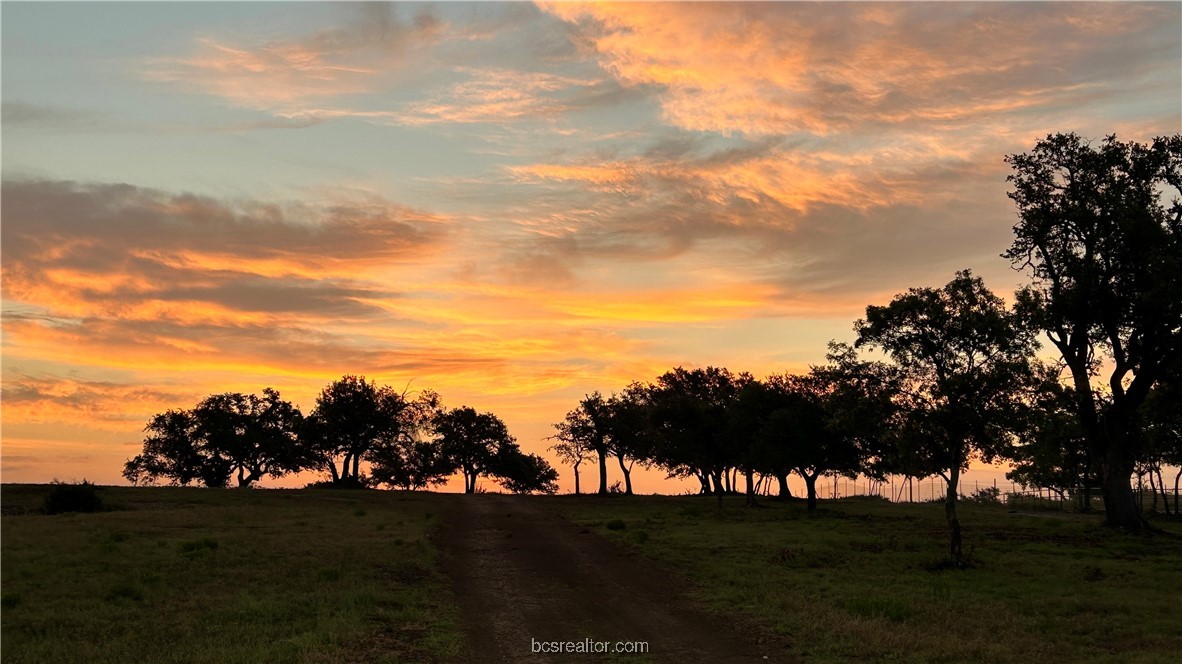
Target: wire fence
[{"x": 920, "y": 490}]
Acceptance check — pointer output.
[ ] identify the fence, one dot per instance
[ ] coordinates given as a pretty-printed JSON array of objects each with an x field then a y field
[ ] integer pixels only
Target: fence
[{"x": 915, "y": 490}]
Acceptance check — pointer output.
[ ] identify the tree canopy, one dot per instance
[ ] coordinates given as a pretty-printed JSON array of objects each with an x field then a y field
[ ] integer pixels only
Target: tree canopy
[
  {"x": 965, "y": 365},
  {"x": 1104, "y": 252},
  {"x": 225, "y": 435}
]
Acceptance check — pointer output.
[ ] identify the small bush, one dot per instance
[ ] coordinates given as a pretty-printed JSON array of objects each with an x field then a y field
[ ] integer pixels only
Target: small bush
[
  {"x": 874, "y": 498},
  {"x": 616, "y": 524},
  {"x": 343, "y": 483},
  {"x": 64, "y": 497},
  {"x": 990, "y": 495}
]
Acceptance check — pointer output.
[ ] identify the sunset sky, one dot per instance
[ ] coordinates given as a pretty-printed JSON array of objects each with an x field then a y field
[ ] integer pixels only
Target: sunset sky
[{"x": 511, "y": 204}]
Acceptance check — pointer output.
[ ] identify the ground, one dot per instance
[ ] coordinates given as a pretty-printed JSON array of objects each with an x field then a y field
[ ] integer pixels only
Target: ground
[
  {"x": 523, "y": 574},
  {"x": 196, "y": 575}
]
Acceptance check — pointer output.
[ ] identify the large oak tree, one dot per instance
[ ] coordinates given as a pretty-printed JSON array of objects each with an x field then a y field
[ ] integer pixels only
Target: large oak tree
[{"x": 1104, "y": 251}]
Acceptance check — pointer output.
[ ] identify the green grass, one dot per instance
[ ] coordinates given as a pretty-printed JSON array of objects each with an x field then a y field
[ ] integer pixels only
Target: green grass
[
  {"x": 193, "y": 575},
  {"x": 862, "y": 581}
]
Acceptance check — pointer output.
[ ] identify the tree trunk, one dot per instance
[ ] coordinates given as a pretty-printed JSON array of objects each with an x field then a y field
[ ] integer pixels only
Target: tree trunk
[
  {"x": 345, "y": 466},
  {"x": 255, "y": 475},
  {"x": 750, "y": 476},
  {"x": 602, "y": 471},
  {"x": 469, "y": 481},
  {"x": 719, "y": 487},
  {"x": 1161, "y": 485},
  {"x": 954, "y": 541},
  {"x": 1176, "y": 478},
  {"x": 577, "y": 477},
  {"x": 1152, "y": 490},
  {"x": 1120, "y": 505},
  {"x": 785, "y": 492},
  {"x": 810, "y": 484},
  {"x": 241, "y": 477},
  {"x": 356, "y": 466},
  {"x": 705, "y": 482},
  {"x": 332, "y": 467},
  {"x": 627, "y": 475}
]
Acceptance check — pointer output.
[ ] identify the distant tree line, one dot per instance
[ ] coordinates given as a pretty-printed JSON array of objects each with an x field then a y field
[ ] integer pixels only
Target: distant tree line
[
  {"x": 954, "y": 375},
  {"x": 404, "y": 442}
]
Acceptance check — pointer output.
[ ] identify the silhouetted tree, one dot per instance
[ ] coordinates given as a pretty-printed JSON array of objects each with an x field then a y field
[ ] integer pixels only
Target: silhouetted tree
[
  {"x": 172, "y": 452},
  {"x": 524, "y": 473},
  {"x": 226, "y": 434},
  {"x": 410, "y": 464},
  {"x": 629, "y": 433},
  {"x": 1105, "y": 256},
  {"x": 755, "y": 405},
  {"x": 690, "y": 418},
  {"x": 1051, "y": 451},
  {"x": 474, "y": 443},
  {"x": 805, "y": 424},
  {"x": 256, "y": 434},
  {"x": 1161, "y": 418},
  {"x": 354, "y": 417},
  {"x": 574, "y": 444},
  {"x": 965, "y": 365},
  {"x": 585, "y": 428}
]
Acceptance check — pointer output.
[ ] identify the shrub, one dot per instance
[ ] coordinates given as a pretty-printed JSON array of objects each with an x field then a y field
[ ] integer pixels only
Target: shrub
[
  {"x": 990, "y": 495},
  {"x": 65, "y": 497},
  {"x": 342, "y": 483}
]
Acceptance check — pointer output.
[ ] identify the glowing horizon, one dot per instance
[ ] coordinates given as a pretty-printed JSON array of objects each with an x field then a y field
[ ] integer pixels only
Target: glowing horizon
[{"x": 511, "y": 204}]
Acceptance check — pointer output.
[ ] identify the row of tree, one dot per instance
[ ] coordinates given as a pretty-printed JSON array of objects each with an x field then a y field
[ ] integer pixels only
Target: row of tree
[
  {"x": 409, "y": 443},
  {"x": 953, "y": 373}
]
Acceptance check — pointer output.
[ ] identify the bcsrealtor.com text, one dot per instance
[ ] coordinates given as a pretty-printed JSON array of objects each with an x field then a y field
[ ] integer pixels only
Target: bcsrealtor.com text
[{"x": 588, "y": 645}]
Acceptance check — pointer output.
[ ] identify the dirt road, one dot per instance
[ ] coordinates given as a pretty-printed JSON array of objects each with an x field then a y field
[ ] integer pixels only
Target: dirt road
[{"x": 524, "y": 575}]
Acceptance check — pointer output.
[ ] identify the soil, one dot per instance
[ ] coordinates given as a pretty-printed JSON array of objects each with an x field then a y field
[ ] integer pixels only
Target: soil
[{"x": 523, "y": 575}]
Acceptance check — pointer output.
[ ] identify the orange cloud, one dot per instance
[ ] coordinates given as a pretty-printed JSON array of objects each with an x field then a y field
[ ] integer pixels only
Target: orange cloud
[
  {"x": 770, "y": 68},
  {"x": 86, "y": 403}
]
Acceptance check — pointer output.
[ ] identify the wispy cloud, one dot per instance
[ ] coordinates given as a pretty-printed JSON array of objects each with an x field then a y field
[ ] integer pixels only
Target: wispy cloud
[
  {"x": 17, "y": 113},
  {"x": 47, "y": 399},
  {"x": 288, "y": 75},
  {"x": 505, "y": 96}
]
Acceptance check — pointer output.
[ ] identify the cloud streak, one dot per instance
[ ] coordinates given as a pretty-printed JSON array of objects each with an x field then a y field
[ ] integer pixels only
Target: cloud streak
[{"x": 287, "y": 75}]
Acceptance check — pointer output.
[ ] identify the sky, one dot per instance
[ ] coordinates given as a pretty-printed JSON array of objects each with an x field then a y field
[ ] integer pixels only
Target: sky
[{"x": 511, "y": 204}]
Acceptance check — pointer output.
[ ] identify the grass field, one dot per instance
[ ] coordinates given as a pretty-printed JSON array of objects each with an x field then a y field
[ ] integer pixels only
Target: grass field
[
  {"x": 195, "y": 575},
  {"x": 862, "y": 580}
]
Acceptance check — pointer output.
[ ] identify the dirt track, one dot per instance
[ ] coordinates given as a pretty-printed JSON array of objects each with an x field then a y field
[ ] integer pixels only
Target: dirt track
[{"x": 523, "y": 573}]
